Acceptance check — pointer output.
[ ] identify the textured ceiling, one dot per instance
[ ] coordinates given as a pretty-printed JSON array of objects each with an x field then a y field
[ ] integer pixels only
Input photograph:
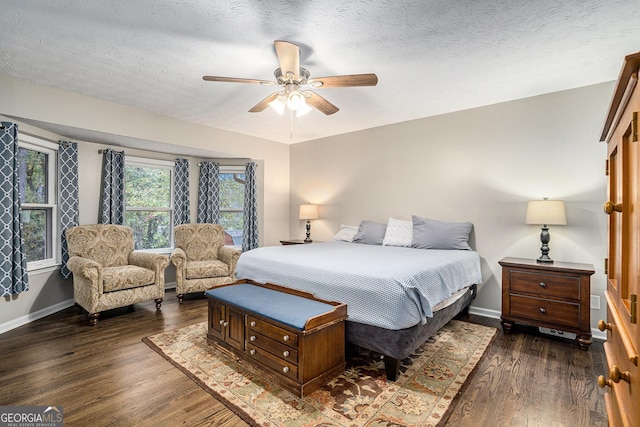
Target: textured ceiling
[{"x": 431, "y": 56}]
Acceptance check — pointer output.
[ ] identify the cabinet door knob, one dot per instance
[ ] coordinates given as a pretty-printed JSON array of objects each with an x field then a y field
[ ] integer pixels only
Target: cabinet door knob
[
  {"x": 285, "y": 353},
  {"x": 543, "y": 310},
  {"x": 285, "y": 369},
  {"x": 602, "y": 383},
  {"x": 616, "y": 375},
  {"x": 252, "y": 338},
  {"x": 285, "y": 338},
  {"x": 610, "y": 207},
  {"x": 252, "y": 352},
  {"x": 225, "y": 324},
  {"x": 222, "y": 322},
  {"x": 604, "y": 326},
  {"x": 543, "y": 285},
  {"x": 253, "y": 323}
]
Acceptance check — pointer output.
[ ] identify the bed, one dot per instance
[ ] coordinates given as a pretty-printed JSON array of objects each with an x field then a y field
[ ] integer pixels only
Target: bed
[{"x": 397, "y": 297}]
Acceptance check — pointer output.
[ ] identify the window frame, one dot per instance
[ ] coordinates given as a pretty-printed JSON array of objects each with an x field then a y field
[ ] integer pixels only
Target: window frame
[
  {"x": 229, "y": 169},
  {"x": 29, "y": 142},
  {"x": 160, "y": 164}
]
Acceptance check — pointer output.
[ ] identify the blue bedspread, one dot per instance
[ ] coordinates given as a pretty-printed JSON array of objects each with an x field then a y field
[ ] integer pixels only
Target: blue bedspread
[{"x": 387, "y": 286}]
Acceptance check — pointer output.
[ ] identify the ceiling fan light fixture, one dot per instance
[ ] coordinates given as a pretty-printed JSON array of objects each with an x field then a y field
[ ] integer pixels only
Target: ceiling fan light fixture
[
  {"x": 303, "y": 108},
  {"x": 278, "y": 104},
  {"x": 295, "y": 100}
]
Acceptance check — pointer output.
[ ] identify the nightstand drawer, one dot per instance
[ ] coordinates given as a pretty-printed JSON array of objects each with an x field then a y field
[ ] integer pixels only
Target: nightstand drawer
[
  {"x": 544, "y": 310},
  {"x": 548, "y": 285}
]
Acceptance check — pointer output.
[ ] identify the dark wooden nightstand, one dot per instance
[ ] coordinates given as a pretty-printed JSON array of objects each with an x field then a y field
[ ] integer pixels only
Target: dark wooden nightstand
[
  {"x": 293, "y": 242},
  {"x": 552, "y": 295}
]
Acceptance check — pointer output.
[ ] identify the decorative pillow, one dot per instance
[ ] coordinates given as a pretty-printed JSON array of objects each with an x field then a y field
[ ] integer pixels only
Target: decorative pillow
[
  {"x": 432, "y": 234},
  {"x": 399, "y": 233},
  {"x": 370, "y": 233},
  {"x": 346, "y": 233}
]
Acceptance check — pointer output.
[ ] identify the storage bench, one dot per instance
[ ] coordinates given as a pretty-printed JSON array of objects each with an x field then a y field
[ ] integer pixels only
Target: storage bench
[{"x": 295, "y": 339}]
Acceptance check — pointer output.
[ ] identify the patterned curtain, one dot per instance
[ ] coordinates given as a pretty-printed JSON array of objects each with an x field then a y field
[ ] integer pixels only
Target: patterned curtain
[
  {"x": 67, "y": 196},
  {"x": 208, "y": 193},
  {"x": 182, "y": 214},
  {"x": 112, "y": 203},
  {"x": 13, "y": 261},
  {"x": 250, "y": 223}
]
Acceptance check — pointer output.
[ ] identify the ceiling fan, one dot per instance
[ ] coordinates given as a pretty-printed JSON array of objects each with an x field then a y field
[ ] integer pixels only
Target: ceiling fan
[{"x": 297, "y": 93}]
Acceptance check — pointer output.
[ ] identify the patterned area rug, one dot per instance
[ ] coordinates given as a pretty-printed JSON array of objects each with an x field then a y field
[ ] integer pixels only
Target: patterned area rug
[{"x": 426, "y": 387}]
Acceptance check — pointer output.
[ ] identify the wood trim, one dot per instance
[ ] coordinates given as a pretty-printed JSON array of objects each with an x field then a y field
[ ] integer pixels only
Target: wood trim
[
  {"x": 632, "y": 354},
  {"x": 629, "y": 67}
]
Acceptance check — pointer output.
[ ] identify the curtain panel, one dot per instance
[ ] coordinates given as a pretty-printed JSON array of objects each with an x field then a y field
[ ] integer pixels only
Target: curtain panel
[
  {"x": 13, "y": 261},
  {"x": 209, "y": 193},
  {"x": 112, "y": 191},
  {"x": 67, "y": 197},
  {"x": 181, "y": 201},
  {"x": 250, "y": 223}
]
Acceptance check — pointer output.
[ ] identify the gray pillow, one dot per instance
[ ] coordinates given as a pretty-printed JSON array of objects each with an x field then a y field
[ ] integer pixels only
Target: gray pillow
[
  {"x": 370, "y": 233},
  {"x": 432, "y": 234}
]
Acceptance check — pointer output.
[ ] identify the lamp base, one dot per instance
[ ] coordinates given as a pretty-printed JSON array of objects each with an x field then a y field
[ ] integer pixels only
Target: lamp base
[
  {"x": 544, "y": 249},
  {"x": 308, "y": 238}
]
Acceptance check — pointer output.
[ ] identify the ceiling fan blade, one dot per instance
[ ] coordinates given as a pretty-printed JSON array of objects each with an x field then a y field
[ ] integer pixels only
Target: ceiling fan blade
[
  {"x": 319, "y": 103},
  {"x": 260, "y": 106},
  {"x": 344, "y": 81},
  {"x": 236, "y": 80},
  {"x": 289, "y": 58}
]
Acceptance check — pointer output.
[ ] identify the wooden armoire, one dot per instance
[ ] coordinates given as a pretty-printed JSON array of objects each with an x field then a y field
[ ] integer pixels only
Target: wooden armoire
[{"x": 622, "y": 267}]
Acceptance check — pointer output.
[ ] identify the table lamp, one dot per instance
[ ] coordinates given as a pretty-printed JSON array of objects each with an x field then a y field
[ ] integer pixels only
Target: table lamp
[
  {"x": 545, "y": 212},
  {"x": 308, "y": 212}
]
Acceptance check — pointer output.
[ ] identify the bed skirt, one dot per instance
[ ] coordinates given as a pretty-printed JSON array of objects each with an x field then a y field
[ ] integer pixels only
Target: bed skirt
[{"x": 396, "y": 345}]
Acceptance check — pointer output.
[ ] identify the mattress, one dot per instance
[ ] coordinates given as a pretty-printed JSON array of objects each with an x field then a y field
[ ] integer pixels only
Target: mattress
[{"x": 385, "y": 286}]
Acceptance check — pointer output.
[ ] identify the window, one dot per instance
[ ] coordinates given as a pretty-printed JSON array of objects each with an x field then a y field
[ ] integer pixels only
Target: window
[
  {"x": 149, "y": 203},
  {"x": 232, "y": 181},
  {"x": 38, "y": 214}
]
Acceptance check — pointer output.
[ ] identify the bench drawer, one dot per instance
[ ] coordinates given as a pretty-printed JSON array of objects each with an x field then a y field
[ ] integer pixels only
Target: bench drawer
[
  {"x": 273, "y": 347},
  {"x": 272, "y": 331},
  {"x": 279, "y": 365}
]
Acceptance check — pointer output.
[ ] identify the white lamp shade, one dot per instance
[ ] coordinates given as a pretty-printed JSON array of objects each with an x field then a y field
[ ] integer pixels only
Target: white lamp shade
[
  {"x": 308, "y": 212},
  {"x": 546, "y": 212}
]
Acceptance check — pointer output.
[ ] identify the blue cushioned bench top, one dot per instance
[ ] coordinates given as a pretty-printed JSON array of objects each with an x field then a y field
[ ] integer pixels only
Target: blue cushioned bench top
[{"x": 291, "y": 310}]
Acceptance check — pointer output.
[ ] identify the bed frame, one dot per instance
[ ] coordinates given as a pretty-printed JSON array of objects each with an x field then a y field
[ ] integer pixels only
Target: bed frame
[{"x": 396, "y": 345}]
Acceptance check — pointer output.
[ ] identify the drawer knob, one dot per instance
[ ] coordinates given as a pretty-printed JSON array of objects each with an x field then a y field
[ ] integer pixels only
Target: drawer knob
[
  {"x": 285, "y": 338},
  {"x": 285, "y": 353},
  {"x": 252, "y": 338},
  {"x": 610, "y": 207},
  {"x": 604, "y": 326},
  {"x": 616, "y": 375},
  {"x": 543, "y": 310},
  {"x": 602, "y": 383},
  {"x": 252, "y": 352},
  {"x": 285, "y": 369},
  {"x": 253, "y": 323},
  {"x": 543, "y": 285}
]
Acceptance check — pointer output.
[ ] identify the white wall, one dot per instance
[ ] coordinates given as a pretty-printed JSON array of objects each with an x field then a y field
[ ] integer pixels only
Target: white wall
[
  {"x": 48, "y": 292},
  {"x": 480, "y": 165}
]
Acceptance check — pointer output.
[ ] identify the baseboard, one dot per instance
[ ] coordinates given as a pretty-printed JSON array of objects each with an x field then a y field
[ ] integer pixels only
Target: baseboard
[
  {"x": 495, "y": 314},
  {"x": 20, "y": 321},
  {"x": 485, "y": 312}
]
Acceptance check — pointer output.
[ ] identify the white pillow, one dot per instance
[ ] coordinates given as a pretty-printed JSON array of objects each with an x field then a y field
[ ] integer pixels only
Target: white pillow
[
  {"x": 399, "y": 233},
  {"x": 346, "y": 233}
]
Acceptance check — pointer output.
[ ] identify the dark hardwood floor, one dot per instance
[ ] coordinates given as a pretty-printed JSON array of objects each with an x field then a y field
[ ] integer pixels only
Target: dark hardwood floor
[{"x": 105, "y": 375}]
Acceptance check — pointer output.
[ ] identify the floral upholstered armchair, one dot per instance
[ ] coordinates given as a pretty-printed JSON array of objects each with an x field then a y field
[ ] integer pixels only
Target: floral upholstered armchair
[
  {"x": 202, "y": 260},
  {"x": 108, "y": 273}
]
